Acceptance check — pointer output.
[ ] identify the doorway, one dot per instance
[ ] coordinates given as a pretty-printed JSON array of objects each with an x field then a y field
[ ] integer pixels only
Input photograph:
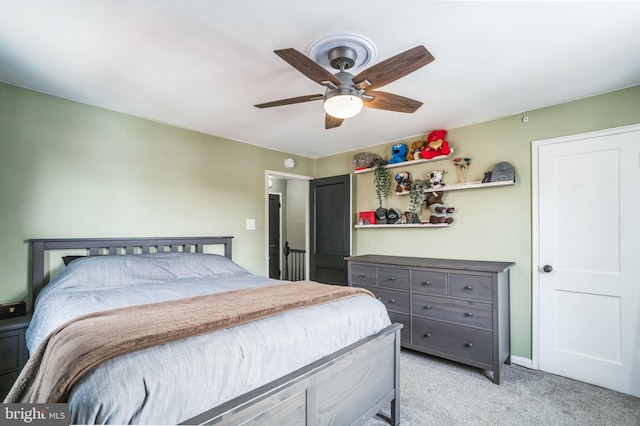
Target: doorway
[
  {"x": 315, "y": 226},
  {"x": 291, "y": 225},
  {"x": 331, "y": 222},
  {"x": 586, "y": 290}
]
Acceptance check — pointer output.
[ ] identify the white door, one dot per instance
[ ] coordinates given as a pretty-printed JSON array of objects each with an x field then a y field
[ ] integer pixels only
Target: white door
[{"x": 588, "y": 257}]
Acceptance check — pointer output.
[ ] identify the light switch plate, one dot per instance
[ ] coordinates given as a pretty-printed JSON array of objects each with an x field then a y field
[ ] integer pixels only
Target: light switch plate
[{"x": 251, "y": 224}]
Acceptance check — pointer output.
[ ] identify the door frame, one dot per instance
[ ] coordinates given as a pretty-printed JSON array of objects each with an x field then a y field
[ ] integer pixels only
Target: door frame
[
  {"x": 286, "y": 176},
  {"x": 535, "y": 225}
]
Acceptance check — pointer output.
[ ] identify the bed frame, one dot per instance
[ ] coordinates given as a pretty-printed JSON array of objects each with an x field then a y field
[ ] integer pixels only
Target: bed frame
[{"x": 347, "y": 387}]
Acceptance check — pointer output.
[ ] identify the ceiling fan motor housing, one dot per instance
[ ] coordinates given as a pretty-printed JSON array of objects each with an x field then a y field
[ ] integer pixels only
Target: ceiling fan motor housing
[{"x": 342, "y": 58}]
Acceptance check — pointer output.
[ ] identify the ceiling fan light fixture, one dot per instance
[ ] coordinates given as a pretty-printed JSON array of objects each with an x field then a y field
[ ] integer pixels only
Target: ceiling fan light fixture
[{"x": 343, "y": 103}]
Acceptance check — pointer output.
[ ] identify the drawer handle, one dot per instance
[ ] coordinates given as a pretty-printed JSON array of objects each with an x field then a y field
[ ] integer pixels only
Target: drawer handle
[
  {"x": 468, "y": 287},
  {"x": 392, "y": 278},
  {"x": 469, "y": 314},
  {"x": 428, "y": 307},
  {"x": 392, "y": 301},
  {"x": 468, "y": 344},
  {"x": 426, "y": 283},
  {"x": 362, "y": 275},
  {"x": 427, "y": 334}
]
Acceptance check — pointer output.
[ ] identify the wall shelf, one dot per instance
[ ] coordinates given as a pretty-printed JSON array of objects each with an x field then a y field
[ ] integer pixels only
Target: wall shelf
[
  {"x": 405, "y": 225},
  {"x": 467, "y": 185},
  {"x": 407, "y": 163}
]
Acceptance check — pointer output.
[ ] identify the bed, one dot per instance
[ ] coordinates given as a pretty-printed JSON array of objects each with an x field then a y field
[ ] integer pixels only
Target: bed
[{"x": 329, "y": 363}]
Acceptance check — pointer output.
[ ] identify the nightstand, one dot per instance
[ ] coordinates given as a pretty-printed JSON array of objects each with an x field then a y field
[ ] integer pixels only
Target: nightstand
[{"x": 13, "y": 350}]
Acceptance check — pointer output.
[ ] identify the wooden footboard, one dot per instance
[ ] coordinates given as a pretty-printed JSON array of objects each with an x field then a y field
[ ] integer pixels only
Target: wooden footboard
[{"x": 347, "y": 387}]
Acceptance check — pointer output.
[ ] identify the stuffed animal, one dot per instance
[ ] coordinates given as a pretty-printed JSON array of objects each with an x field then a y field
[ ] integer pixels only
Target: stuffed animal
[
  {"x": 412, "y": 217},
  {"x": 403, "y": 182},
  {"x": 438, "y": 210},
  {"x": 364, "y": 160},
  {"x": 435, "y": 179},
  {"x": 414, "y": 151},
  {"x": 398, "y": 153},
  {"x": 435, "y": 145}
]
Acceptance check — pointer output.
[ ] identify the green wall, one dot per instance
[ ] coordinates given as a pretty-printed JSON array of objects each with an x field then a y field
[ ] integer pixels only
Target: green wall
[
  {"x": 490, "y": 223},
  {"x": 73, "y": 170}
]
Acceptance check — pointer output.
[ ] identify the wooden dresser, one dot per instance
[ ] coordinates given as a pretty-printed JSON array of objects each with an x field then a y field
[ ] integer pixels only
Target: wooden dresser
[{"x": 454, "y": 309}]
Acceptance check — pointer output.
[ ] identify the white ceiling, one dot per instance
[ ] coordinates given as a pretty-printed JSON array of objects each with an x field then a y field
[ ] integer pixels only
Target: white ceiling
[{"x": 203, "y": 64}]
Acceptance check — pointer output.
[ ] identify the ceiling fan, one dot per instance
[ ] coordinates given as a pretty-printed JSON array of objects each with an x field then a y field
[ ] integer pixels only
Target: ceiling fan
[{"x": 346, "y": 94}]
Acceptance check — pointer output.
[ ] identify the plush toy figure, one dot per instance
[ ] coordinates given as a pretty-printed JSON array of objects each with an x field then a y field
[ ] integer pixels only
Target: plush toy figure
[
  {"x": 435, "y": 179},
  {"x": 403, "y": 182},
  {"x": 436, "y": 145},
  {"x": 438, "y": 210},
  {"x": 398, "y": 153},
  {"x": 412, "y": 217},
  {"x": 414, "y": 151}
]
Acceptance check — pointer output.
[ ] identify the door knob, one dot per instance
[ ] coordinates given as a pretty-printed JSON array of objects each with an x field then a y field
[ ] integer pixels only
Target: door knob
[{"x": 547, "y": 268}]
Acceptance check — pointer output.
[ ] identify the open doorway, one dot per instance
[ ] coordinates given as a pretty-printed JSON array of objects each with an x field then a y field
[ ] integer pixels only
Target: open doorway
[{"x": 288, "y": 229}]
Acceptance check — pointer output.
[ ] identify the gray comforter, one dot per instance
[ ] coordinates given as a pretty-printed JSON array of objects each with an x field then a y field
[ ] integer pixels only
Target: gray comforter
[{"x": 170, "y": 383}]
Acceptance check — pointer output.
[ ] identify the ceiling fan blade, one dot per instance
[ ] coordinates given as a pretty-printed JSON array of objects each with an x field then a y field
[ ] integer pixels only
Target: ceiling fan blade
[
  {"x": 395, "y": 67},
  {"x": 306, "y": 66},
  {"x": 391, "y": 102},
  {"x": 290, "y": 101},
  {"x": 330, "y": 122}
]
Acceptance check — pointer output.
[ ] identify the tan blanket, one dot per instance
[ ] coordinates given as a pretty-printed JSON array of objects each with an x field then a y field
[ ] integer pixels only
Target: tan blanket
[{"x": 74, "y": 349}]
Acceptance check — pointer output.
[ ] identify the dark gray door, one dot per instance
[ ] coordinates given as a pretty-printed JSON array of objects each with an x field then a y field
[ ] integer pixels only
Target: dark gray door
[
  {"x": 330, "y": 221},
  {"x": 274, "y": 236}
]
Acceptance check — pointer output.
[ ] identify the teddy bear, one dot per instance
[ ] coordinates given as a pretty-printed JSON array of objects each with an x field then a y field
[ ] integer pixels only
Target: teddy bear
[
  {"x": 413, "y": 153},
  {"x": 398, "y": 153},
  {"x": 438, "y": 209},
  {"x": 403, "y": 182},
  {"x": 435, "y": 145}
]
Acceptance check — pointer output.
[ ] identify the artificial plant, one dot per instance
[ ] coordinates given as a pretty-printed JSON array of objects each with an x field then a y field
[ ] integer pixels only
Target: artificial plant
[
  {"x": 381, "y": 179},
  {"x": 417, "y": 196}
]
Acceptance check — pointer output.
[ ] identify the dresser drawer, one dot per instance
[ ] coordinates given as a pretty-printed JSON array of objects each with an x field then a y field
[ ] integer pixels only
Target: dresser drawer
[
  {"x": 476, "y": 314},
  {"x": 393, "y": 300},
  {"x": 363, "y": 274},
  {"x": 405, "y": 320},
  {"x": 393, "y": 278},
  {"x": 456, "y": 340},
  {"x": 9, "y": 351},
  {"x": 476, "y": 287},
  {"x": 428, "y": 282}
]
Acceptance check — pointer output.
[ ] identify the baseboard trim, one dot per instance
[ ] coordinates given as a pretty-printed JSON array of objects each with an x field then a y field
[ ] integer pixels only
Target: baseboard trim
[{"x": 523, "y": 362}]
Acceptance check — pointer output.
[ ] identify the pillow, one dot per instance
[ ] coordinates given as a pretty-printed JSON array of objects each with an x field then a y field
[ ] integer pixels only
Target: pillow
[
  {"x": 124, "y": 270},
  {"x": 68, "y": 259}
]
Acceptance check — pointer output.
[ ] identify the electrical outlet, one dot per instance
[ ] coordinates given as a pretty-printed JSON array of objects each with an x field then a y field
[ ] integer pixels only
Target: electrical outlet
[{"x": 251, "y": 224}]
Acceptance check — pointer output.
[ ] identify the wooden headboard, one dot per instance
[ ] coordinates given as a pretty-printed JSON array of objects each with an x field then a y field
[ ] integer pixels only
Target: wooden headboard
[{"x": 115, "y": 246}]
